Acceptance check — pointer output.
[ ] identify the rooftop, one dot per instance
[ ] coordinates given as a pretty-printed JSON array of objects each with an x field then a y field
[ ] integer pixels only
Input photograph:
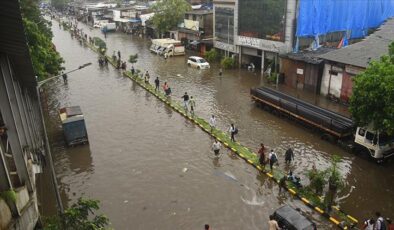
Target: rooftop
[
  {"x": 13, "y": 42},
  {"x": 309, "y": 56},
  {"x": 200, "y": 12},
  {"x": 371, "y": 48}
]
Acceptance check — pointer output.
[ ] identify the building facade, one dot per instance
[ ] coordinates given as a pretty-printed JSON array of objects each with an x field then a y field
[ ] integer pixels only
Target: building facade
[
  {"x": 21, "y": 144},
  {"x": 258, "y": 31},
  {"x": 225, "y": 29},
  {"x": 196, "y": 31}
]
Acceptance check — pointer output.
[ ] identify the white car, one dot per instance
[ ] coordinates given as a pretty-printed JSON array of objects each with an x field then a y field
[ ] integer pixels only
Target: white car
[{"x": 198, "y": 62}]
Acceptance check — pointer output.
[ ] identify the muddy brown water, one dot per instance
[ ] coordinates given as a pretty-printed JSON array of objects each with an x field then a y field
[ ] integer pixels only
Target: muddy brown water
[{"x": 152, "y": 169}]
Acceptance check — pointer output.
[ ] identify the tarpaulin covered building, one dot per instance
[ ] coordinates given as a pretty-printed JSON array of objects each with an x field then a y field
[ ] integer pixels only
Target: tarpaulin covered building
[{"x": 353, "y": 18}]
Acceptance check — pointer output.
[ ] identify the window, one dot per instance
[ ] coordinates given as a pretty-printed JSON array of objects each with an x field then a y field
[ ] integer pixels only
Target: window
[
  {"x": 371, "y": 137},
  {"x": 385, "y": 139},
  {"x": 264, "y": 19},
  {"x": 224, "y": 24},
  {"x": 361, "y": 132}
]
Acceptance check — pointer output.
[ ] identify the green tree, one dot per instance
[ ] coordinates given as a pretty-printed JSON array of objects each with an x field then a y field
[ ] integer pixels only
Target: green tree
[
  {"x": 59, "y": 4},
  {"x": 80, "y": 216},
  {"x": 168, "y": 13},
  {"x": 133, "y": 58},
  {"x": 102, "y": 46},
  {"x": 372, "y": 101},
  {"x": 228, "y": 62},
  {"x": 45, "y": 59},
  {"x": 335, "y": 182},
  {"x": 317, "y": 180},
  {"x": 212, "y": 56}
]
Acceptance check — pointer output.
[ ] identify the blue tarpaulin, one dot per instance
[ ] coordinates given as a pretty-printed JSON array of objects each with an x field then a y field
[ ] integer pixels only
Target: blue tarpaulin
[{"x": 319, "y": 17}]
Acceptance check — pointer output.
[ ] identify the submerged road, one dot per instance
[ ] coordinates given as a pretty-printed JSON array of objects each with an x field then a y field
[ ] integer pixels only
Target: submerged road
[{"x": 152, "y": 168}]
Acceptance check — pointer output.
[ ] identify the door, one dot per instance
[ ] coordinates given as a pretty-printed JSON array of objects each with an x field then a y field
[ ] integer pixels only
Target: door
[{"x": 300, "y": 81}]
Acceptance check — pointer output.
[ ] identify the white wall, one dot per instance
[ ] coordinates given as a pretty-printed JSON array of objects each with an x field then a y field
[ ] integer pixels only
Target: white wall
[{"x": 335, "y": 84}]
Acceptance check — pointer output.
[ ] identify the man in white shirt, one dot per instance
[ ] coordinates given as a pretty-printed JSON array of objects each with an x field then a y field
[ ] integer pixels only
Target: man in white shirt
[
  {"x": 216, "y": 146},
  {"x": 232, "y": 132},
  {"x": 212, "y": 122}
]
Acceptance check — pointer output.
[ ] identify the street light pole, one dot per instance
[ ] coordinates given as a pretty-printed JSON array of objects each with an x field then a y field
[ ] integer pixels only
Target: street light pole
[{"x": 46, "y": 141}]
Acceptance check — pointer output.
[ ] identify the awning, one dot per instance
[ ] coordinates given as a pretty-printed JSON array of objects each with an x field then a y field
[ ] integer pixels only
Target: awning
[
  {"x": 194, "y": 43},
  {"x": 135, "y": 20},
  {"x": 121, "y": 20}
]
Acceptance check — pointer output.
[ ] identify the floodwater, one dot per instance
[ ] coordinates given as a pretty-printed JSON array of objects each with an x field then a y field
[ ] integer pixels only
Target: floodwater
[{"x": 153, "y": 169}]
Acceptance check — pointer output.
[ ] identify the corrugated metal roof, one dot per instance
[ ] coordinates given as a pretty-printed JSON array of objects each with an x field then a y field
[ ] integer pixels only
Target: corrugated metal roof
[
  {"x": 311, "y": 56},
  {"x": 13, "y": 42},
  {"x": 369, "y": 49}
]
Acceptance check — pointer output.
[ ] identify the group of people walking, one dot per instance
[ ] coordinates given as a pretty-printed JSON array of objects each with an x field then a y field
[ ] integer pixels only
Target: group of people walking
[
  {"x": 380, "y": 223},
  {"x": 273, "y": 157}
]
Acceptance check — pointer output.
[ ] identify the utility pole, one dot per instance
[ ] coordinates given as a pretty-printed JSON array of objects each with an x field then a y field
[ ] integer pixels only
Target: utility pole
[{"x": 228, "y": 35}]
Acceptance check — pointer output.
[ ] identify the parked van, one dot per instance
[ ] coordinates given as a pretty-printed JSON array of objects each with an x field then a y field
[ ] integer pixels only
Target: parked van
[
  {"x": 99, "y": 23},
  {"x": 108, "y": 27},
  {"x": 167, "y": 47}
]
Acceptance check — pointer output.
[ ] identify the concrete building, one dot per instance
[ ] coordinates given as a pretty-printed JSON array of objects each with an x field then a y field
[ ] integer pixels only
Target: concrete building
[
  {"x": 21, "y": 143},
  {"x": 196, "y": 30},
  {"x": 256, "y": 30},
  {"x": 225, "y": 29},
  {"x": 342, "y": 65}
]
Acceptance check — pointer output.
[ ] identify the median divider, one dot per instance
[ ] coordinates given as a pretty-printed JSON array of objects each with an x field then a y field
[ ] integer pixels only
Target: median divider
[{"x": 243, "y": 152}]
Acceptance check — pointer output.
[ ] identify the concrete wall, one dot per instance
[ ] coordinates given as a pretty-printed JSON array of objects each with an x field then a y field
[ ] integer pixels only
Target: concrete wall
[
  {"x": 331, "y": 83},
  {"x": 5, "y": 215}
]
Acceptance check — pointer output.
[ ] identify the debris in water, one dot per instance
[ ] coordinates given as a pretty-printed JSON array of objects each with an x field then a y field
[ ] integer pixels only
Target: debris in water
[
  {"x": 184, "y": 170},
  {"x": 126, "y": 201}
]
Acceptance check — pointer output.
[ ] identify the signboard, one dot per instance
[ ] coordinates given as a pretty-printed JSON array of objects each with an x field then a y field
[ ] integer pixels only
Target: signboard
[
  {"x": 191, "y": 25},
  {"x": 225, "y": 46},
  {"x": 300, "y": 71},
  {"x": 266, "y": 45}
]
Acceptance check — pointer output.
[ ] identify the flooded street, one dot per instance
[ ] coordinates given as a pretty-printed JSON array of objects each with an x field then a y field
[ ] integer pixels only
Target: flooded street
[{"x": 153, "y": 169}]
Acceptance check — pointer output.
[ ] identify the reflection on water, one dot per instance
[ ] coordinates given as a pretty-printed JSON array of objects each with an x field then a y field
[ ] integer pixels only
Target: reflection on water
[{"x": 139, "y": 146}]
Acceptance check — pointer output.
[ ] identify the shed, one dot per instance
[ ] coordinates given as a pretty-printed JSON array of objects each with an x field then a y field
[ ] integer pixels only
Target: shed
[
  {"x": 303, "y": 70},
  {"x": 343, "y": 64}
]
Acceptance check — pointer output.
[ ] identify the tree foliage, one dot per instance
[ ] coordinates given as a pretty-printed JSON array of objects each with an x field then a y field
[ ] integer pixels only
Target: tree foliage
[
  {"x": 372, "y": 101},
  {"x": 228, "y": 62},
  {"x": 102, "y": 46},
  {"x": 168, "y": 13},
  {"x": 60, "y": 4},
  {"x": 317, "y": 180},
  {"x": 133, "y": 58},
  {"x": 212, "y": 56},
  {"x": 80, "y": 216},
  {"x": 45, "y": 59}
]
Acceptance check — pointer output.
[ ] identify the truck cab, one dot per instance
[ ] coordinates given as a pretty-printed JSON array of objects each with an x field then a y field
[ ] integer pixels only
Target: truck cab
[{"x": 379, "y": 145}]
